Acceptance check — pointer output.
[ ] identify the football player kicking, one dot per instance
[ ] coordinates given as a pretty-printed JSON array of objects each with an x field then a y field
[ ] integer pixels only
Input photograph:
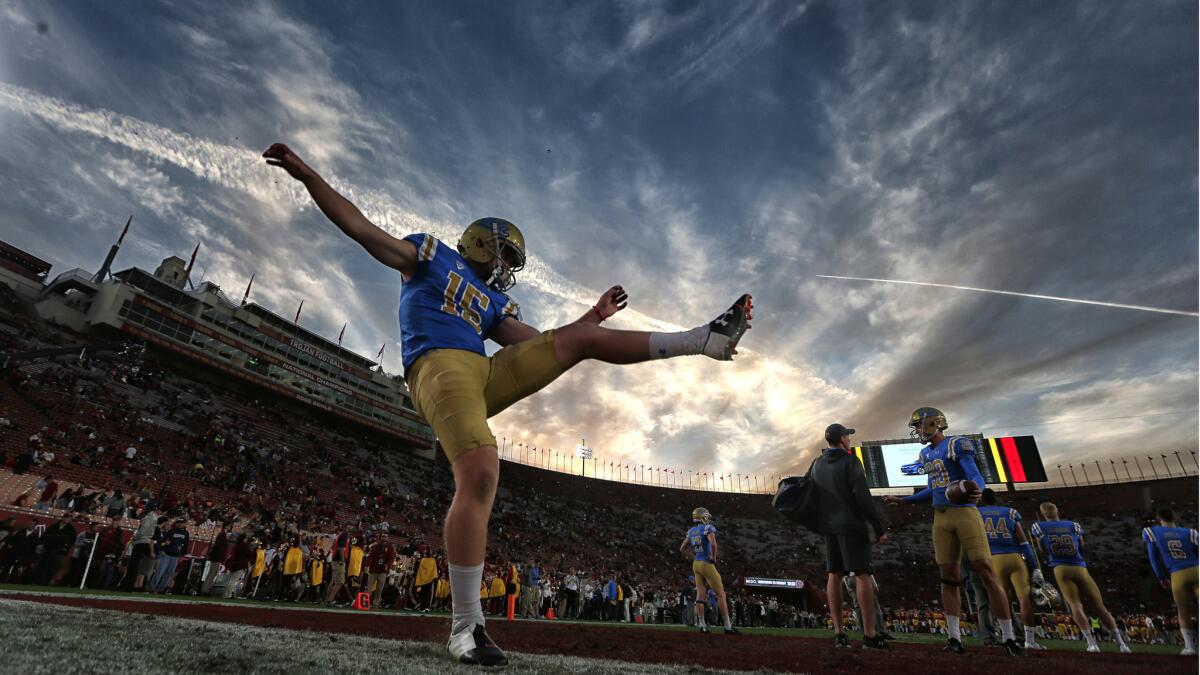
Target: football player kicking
[
  {"x": 1062, "y": 541},
  {"x": 1172, "y": 553},
  {"x": 702, "y": 538},
  {"x": 1013, "y": 558},
  {"x": 451, "y": 300},
  {"x": 956, "y": 527}
]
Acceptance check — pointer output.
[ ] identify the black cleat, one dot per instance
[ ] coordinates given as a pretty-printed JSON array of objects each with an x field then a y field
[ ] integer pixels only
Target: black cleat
[
  {"x": 887, "y": 636},
  {"x": 725, "y": 330},
  {"x": 840, "y": 640},
  {"x": 876, "y": 642},
  {"x": 1013, "y": 649},
  {"x": 703, "y": 629},
  {"x": 955, "y": 646},
  {"x": 472, "y": 646},
  {"x": 732, "y": 631}
]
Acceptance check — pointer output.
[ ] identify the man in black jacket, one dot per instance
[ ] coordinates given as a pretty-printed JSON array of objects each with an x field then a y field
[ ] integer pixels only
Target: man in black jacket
[{"x": 845, "y": 511}]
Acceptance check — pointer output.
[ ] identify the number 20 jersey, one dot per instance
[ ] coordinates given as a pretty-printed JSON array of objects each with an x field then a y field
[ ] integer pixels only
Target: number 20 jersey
[
  {"x": 445, "y": 305},
  {"x": 1061, "y": 540}
]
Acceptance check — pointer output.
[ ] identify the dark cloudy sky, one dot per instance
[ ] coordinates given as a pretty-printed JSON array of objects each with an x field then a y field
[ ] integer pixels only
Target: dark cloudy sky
[{"x": 689, "y": 151}]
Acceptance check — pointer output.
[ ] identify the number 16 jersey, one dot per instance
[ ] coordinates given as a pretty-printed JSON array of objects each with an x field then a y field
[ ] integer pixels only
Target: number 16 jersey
[{"x": 445, "y": 305}]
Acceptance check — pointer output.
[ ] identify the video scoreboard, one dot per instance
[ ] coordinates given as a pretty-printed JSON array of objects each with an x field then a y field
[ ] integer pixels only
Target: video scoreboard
[{"x": 1005, "y": 459}]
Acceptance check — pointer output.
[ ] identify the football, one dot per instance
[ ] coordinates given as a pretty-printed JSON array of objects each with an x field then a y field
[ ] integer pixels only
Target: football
[{"x": 960, "y": 491}]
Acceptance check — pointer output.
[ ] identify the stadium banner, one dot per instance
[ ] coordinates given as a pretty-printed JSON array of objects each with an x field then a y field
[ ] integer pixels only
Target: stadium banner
[
  {"x": 1001, "y": 460},
  {"x": 760, "y": 582}
]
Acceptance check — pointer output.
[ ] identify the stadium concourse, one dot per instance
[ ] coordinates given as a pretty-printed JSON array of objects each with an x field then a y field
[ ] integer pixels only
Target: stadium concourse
[{"x": 122, "y": 430}]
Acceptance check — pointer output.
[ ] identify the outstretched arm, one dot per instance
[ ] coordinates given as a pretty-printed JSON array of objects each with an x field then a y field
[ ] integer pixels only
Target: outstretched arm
[{"x": 395, "y": 253}]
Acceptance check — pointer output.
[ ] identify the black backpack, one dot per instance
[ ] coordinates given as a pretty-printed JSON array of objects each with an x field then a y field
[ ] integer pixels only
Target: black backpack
[{"x": 796, "y": 499}]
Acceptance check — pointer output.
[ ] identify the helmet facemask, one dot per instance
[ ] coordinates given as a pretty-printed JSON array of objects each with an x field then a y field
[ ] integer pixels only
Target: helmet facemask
[{"x": 507, "y": 260}]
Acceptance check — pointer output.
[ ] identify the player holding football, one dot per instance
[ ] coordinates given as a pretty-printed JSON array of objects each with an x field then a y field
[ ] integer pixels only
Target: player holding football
[
  {"x": 1172, "y": 553},
  {"x": 1062, "y": 540},
  {"x": 702, "y": 538},
  {"x": 949, "y": 461},
  {"x": 451, "y": 300},
  {"x": 1013, "y": 558}
]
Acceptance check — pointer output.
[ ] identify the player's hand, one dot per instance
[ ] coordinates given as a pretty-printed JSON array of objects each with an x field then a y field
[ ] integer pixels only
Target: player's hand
[
  {"x": 893, "y": 500},
  {"x": 281, "y": 155},
  {"x": 975, "y": 496},
  {"x": 614, "y": 300}
]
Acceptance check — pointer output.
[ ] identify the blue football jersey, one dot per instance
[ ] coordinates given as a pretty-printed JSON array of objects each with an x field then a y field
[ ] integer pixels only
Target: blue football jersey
[
  {"x": 944, "y": 465},
  {"x": 1062, "y": 540},
  {"x": 1000, "y": 523},
  {"x": 445, "y": 305},
  {"x": 698, "y": 537},
  {"x": 1175, "y": 546}
]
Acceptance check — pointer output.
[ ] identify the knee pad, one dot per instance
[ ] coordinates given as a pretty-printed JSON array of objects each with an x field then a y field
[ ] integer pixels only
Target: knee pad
[{"x": 948, "y": 582}]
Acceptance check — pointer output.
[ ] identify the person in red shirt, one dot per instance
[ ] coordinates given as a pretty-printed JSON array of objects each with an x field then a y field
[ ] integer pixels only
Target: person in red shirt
[{"x": 380, "y": 557}]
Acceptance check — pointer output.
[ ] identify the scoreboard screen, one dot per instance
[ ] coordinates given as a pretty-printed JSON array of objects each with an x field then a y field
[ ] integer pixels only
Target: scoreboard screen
[{"x": 1005, "y": 459}]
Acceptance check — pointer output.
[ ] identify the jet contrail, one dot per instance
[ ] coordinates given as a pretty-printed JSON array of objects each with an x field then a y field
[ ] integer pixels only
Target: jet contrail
[{"x": 1118, "y": 305}]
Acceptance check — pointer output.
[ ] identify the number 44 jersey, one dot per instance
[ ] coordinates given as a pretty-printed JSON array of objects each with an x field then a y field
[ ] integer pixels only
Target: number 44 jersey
[
  {"x": 1062, "y": 540},
  {"x": 445, "y": 305},
  {"x": 1000, "y": 524}
]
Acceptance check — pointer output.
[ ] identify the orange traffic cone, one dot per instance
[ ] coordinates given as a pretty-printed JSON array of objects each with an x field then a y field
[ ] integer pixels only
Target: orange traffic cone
[
  {"x": 639, "y": 619},
  {"x": 362, "y": 601},
  {"x": 512, "y": 606},
  {"x": 550, "y": 614}
]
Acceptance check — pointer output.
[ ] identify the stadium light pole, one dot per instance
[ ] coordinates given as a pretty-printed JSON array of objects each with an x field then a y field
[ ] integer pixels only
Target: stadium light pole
[
  {"x": 1061, "y": 476},
  {"x": 1073, "y": 476},
  {"x": 1167, "y": 467},
  {"x": 1125, "y": 463},
  {"x": 1152, "y": 467},
  {"x": 1099, "y": 471},
  {"x": 1116, "y": 478},
  {"x": 1141, "y": 473}
]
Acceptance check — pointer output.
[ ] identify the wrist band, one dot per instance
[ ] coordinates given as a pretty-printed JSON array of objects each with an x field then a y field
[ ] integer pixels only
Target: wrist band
[{"x": 599, "y": 313}]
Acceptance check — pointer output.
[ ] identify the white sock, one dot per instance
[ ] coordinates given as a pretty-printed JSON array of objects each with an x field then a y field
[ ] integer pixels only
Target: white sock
[
  {"x": 1189, "y": 639},
  {"x": 1091, "y": 639},
  {"x": 1030, "y": 636},
  {"x": 1117, "y": 637},
  {"x": 686, "y": 343},
  {"x": 1006, "y": 630},
  {"x": 464, "y": 594},
  {"x": 952, "y": 627},
  {"x": 728, "y": 623},
  {"x": 700, "y": 619}
]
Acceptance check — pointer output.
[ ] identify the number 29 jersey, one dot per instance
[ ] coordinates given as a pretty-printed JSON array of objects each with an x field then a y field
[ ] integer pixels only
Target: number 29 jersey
[
  {"x": 1062, "y": 541},
  {"x": 445, "y": 305}
]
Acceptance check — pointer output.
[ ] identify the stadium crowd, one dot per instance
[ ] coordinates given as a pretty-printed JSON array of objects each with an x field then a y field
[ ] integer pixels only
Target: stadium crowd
[{"x": 173, "y": 479}]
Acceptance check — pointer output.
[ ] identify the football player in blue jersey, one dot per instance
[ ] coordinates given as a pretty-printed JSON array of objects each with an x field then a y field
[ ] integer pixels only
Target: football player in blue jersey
[
  {"x": 452, "y": 299},
  {"x": 956, "y": 527},
  {"x": 1172, "y": 553},
  {"x": 702, "y": 540},
  {"x": 1062, "y": 541},
  {"x": 1013, "y": 558}
]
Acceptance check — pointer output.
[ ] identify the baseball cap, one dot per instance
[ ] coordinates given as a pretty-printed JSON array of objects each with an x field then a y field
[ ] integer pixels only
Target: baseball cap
[{"x": 834, "y": 433}]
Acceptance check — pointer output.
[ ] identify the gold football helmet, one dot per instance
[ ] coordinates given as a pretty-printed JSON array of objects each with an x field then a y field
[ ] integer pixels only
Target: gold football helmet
[
  {"x": 925, "y": 423},
  {"x": 701, "y": 515},
  {"x": 498, "y": 245}
]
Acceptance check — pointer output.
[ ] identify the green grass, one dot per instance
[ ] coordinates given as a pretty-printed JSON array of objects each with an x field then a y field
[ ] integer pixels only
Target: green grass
[{"x": 821, "y": 634}]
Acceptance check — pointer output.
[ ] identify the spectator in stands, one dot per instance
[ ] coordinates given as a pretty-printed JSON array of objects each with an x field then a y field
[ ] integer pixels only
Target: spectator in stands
[
  {"x": 845, "y": 511},
  {"x": 174, "y": 544},
  {"x": 48, "y": 488},
  {"x": 141, "y": 558},
  {"x": 217, "y": 553},
  {"x": 115, "y": 505},
  {"x": 23, "y": 462},
  {"x": 570, "y": 591}
]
